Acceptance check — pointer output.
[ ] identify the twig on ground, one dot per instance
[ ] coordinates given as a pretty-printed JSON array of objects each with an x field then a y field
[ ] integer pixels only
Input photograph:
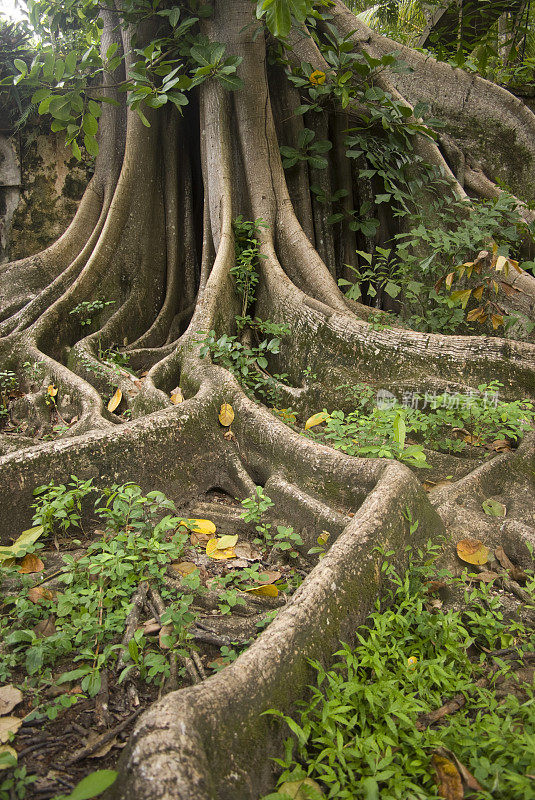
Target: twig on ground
[
  {"x": 132, "y": 620},
  {"x": 89, "y": 749}
]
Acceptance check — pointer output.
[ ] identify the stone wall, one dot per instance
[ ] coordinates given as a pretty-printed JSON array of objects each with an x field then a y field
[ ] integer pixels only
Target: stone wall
[{"x": 41, "y": 185}]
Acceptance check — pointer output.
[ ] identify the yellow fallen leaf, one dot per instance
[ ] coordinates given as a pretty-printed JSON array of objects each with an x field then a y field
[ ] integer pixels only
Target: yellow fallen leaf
[
  {"x": 205, "y": 526},
  {"x": 115, "y": 400},
  {"x": 176, "y": 396},
  {"x": 448, "y": 779},
  {"x": 266, "y": 590},
  {"x": 297, "y": 790},
  {"x": 226, "y": 541},
  {"x": 213, "y": 551},
  {"x": 5, "y": 761},
  {"x": 183, "y": 567},
  {"x": 501, "y": 261},
  {"x": 226, "y": 415},
  {"x": 30, "y": 564},
  {"x": 20, "y": 545},
  {"x": 8, "y": 725},
  {"x": 473, "y": 551},
  {"x": 316, "y": 419}
]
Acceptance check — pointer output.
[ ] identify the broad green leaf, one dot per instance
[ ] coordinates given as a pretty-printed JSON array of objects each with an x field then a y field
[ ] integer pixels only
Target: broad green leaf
[
  {"x": 22, "y": 544},
  {"x": 400, "y": 430},
  {"x": 493, "y": 508},
  {"x": 92, "y": 785}
]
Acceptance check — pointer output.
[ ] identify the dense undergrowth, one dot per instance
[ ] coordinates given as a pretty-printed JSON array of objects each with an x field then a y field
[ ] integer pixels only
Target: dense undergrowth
[{"x": 363, "y": 731}]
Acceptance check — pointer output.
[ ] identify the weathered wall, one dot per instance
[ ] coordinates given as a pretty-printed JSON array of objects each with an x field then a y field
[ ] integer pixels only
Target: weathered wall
[{"x": 41, "y": 185}]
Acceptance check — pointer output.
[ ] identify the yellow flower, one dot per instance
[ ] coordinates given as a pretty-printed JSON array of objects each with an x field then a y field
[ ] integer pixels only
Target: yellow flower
[
  {"x": 411, "y": 662},
  {"x": 52, "y": 390},
  {"x": 317, "y": 77}
]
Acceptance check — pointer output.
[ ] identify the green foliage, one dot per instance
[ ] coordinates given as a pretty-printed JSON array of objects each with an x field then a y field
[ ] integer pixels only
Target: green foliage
[
  {"x": 307, "y": 150},
  {"x": 88, "y": 309},
  {"x": 280, "y": 14},
  {"x": 8, "y": 382},
  {"x": 140, "y": 536},
  {"x": 92, "y": 785},
  {"x": 381, "y": 429},
  {"x": 357, "y": 735},
  {"x": 247, "y": 250},
  {"x": 68, "y": 73},
  {"x": 17, "y": 783},
  {"x": 247, "y": 361},
  {"x": 284, "y": 540}
]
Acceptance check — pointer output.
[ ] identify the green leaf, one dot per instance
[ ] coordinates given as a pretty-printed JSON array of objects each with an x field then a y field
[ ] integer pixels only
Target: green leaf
[
  {"x": 90, "y": 124},
  {"x": 278, "y": 16},
  {"x": 92, "y": 785},
  {"x": 230, "y": 82},
  {"x": 21, "y": 66},
  {"x": 22, "y": 544},
  {"x": 400, "y": 430},
  {"x": 90, "y": 144},
  {"x": 94, "y": 108},
  {"x": 493, "y": 508}
]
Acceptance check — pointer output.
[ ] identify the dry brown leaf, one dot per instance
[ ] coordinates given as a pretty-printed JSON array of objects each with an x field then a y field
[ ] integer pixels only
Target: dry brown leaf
[
  {"x": 503, "y": 558},
  {"x": 39, "y": 595},
  {"x": 9, "y": 698},
  {"x": 226, "y": 415},
  {"x": 217, "y": 663},
  {"x": 31, "y": 563},
  {"x": 229, "y": 436},
  {"x": 183, "y": 567},
  {"x": 200, "y": 538},
  {"x": 447, "y": 777},
  {"x": 473, "y": 551},
  {"x": 239, "y": 563},
  {"x": 104, "y": 749},
  {"x": 8, "y": 725},
  {"x": 432, "y": 587},
  {"x": 115, "y": 400},
  {"x": 487, "y": 576},
  {"x": 266, "y": 576},
  {"x": 45, "y": 627},
  {"x": 151, "y": 626},
  {"x": 247, "y": 551},
  {"x": 500, "y": 445}
]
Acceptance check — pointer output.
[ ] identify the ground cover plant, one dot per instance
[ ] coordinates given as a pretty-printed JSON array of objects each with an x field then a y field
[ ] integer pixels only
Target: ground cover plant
[
  {"x": 382, "y": 426},
  {"x": 130, "y": 607},
  {"x": 370, "y": 727}
]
